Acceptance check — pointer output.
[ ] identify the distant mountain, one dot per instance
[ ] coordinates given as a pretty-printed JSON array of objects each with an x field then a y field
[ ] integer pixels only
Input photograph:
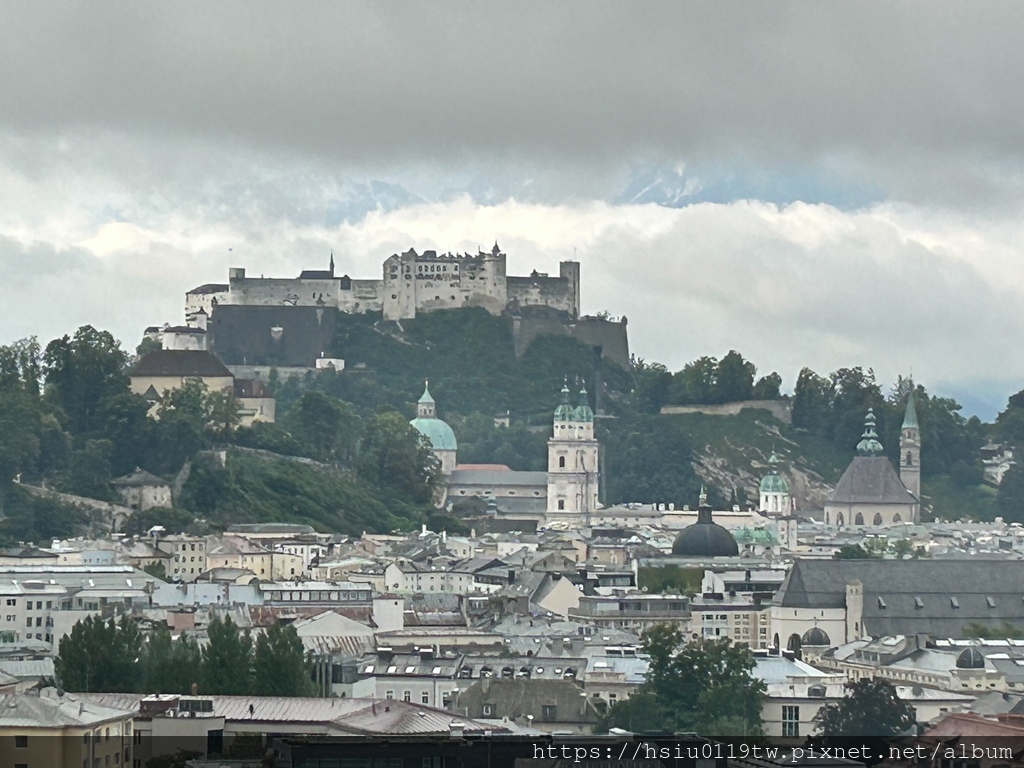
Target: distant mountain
[
  {"x": 677, "y": 184},
  {"x": 352, "y": 199}
]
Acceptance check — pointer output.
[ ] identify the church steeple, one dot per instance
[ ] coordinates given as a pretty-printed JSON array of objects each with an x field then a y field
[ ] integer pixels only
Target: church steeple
[
  {"x": 869, "y": 445},
  {"x": 332, "y": 263},
  {"x": 910, "y": 447}
]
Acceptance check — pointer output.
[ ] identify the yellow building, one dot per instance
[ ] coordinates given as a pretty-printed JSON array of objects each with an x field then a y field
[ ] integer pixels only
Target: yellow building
[{"x": 44, "y": 730}]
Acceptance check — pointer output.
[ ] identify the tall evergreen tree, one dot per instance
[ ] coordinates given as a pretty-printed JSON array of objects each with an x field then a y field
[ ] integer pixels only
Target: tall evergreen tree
[
  {"x": 279, "y": 663},
  {"x": 226, "y": 659}
]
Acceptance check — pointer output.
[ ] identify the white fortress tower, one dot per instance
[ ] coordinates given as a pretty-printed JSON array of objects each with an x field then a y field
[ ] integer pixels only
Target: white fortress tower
[{"x": 573, "y": 454}]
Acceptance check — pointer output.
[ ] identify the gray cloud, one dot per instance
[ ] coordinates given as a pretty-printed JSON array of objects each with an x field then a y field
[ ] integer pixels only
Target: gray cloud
[{"x": 370, "y": 83}]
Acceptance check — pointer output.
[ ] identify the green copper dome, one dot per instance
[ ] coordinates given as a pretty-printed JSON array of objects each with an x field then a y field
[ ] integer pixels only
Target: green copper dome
[
  {"x": 564, "y": 411},
  {"x": 441, "y": 436},
  {"x": 869, "y": 445},
  {"x": 773, "y": 482},
  {"x": 583, "y": 411}
]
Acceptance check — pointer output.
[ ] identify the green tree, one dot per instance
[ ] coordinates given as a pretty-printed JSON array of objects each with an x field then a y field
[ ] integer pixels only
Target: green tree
[
  {"x": 768, "y": 387},
  {"x": 812, "y": 402},
  {"x": 1010, "y": 422},
  {"x": 653, "y": 385},
  {"x": 855, "y": 552},
  {"x": 870, "y": 708},
  {"x": 89, "y": 472},
  {"x": 734, "y": 378},
  {"x": 696, "y": 382},
  {"x": 81, "y": 372},
  {"x": 1011, "y": 494},
  {"x": 100, "y": 656},
  {"x": 146, "y": 346},
  {"x": 705, "y": 686},
  {"x": 226, "y": 667},
  {"x": 21, "y": 430},
  {"x": 325, "y": 427},
  {"x": 279, "y": 663},
  {"x": 397, "y": 458}
]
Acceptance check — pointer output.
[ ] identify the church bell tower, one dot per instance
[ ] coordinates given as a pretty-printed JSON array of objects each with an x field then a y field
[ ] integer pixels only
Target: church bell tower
[
  {"x": 573, "y": 454},
  {"x": 910, "y": 448}
]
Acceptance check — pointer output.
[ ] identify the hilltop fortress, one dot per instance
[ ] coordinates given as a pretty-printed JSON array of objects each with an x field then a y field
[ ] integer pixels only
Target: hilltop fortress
[
  {"x": 290, "y": 322},
  {"x": 412, "y": 283}
]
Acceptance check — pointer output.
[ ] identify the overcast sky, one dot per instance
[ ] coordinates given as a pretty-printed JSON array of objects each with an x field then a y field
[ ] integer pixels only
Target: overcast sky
[{"x": 845, "y": 183}]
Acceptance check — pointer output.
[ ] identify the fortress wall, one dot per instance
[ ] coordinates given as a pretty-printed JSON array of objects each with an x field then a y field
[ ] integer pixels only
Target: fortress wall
[
  {"x": 780, "y": 409},
  {"x": 554, "y": 292},
  {"x": 265, "y": 291},
  {"x": 204, "y": 301},
  {"x": 363, "y": 296},
  {"x": 610, "y": 336}
]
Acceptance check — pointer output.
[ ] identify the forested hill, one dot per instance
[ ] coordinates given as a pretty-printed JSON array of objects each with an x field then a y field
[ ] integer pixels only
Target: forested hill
[{"x": 68, "y": 420}]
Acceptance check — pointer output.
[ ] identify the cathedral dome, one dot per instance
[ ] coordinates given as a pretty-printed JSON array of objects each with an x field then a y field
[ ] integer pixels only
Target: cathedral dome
[
  {"x": 815, "y": 636},
  {"x": 970, "y": 658},
  {"x": 441, "y": 436},
  {"x": 437, "y": 431},
  {"x": 705, "y": 538}
]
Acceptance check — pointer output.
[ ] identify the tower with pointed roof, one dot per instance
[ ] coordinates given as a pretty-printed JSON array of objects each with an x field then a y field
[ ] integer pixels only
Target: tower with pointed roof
[
  {"x": 773, "y": 490},
  {"x": 910, "y": 448},
  {"x": 573, "y": 456},
  {"x": 441, "y": 437}
]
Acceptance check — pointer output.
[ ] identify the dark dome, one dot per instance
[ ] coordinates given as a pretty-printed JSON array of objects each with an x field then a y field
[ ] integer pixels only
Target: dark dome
[
  {"x": 970, "y": 658},
  {"x": 705, "y": 538},
  {"x": 815, "y": 636}
]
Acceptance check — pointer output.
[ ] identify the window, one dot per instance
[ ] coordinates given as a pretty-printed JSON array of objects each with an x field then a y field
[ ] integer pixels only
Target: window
[
  {"x": 548, "y": 713},
  {"x": 561, "y": 462},
  {"x": 425, "y": 698},
  {"x": 790, "y": 721},
  {"x": 561, "y": 503},
  {"x": 389, "y": 695},
  {"x": 488, "y": 710},
  {"x": 21, "y": 741},
  {"x": 12, "y": 602}
]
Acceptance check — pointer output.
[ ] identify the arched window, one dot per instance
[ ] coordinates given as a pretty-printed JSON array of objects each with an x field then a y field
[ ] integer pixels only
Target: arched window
[
  {"x": 910, "y": 459},
  {"x": 897, "y": 518},
  {"x": 840, "y": 520},
  {"x": 793, "y": 644},
  {"x": 859, "y": 519},
  {"x": 878, "y": 519},
  {"x": 561, "y": 462}
]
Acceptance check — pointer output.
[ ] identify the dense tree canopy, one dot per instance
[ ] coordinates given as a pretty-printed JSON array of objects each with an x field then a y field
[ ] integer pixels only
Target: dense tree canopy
[
  {"x": 108, "y": 656},
  {"x": 703, "y": 686},
  {"x": 870, "y": 708}
]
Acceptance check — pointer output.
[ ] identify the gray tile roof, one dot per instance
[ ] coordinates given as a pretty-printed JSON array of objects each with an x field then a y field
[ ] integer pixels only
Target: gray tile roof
[
  {"x": 26, "y": 710},
  {"x": 180, "y": 362},
  {"x": 906, "y": 597},
  {"x": 870, "y": 480},
  {"x": 490, "y": 477}
]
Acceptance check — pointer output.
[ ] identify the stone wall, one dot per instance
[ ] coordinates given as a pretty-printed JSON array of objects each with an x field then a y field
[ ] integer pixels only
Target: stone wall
[
  {"x": 780, "y": 409},
  {"x": 609, "y": 335}
]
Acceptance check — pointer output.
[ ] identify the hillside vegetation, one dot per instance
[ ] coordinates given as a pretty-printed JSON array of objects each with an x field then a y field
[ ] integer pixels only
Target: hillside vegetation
[{"x": 67, "y": 419}]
